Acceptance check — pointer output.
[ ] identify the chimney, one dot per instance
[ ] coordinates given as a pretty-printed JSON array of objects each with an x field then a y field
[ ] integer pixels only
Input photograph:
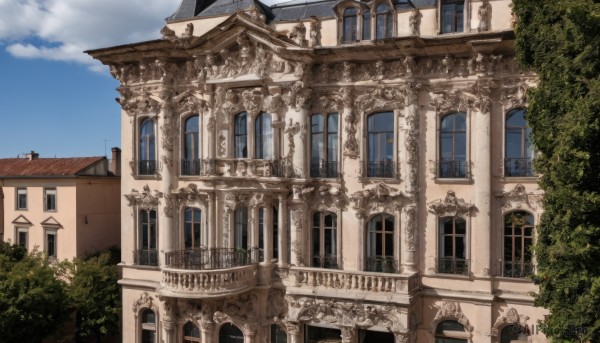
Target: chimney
[
  {"x": 115, "y": 163},
  {"x": 32, "y": 155}
]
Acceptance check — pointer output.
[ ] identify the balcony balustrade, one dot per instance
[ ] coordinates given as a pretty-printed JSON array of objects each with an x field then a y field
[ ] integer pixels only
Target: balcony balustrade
[
  {"x": 518, "y": 269},
  {"x": 452, "y": 169},
  {"x": 383, "y": 169},
  {"x": 146, "y": 167},
  {"x": 324, "y": 169},
  {"x": 145, "y": 257},
  {"x": 327, "y": 261},
  {"x": 215, "y": 258},
  {"x": 382, "y": 264},
  {"x": 448, "y": 265},
  {"x": 518, "y": 167}
]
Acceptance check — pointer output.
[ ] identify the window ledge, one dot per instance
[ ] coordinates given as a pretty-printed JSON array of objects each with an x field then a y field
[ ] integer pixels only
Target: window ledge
[
  {"x": 514, "y": 279},
  {"x": 367, "y": 179},
  {"x": 451, "y": 276},
  {"x": 519, "y": 179},
  {"x": 146, "y": 177},
  {"x": 463, "y": 181}
]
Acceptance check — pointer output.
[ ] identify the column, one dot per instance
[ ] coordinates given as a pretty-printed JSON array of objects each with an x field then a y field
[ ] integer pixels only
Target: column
[
  {"x": 211, "y": 126},
  {"x": 268, "y": 233},
  {"x": 282, "y": 232},
  {"x": 297, "y": 211},
  {"x": 212, "y": 239},
  {"x": 253, "y": 213},
  {"x": 348, "y": 334},
  {"x": 206, "y": 331},
  {"x": 167, "y": 168},
  {"x": 481, "y": 224},
  {"x": 169, "y": 329},
  {"x": 293, "y": 331}
]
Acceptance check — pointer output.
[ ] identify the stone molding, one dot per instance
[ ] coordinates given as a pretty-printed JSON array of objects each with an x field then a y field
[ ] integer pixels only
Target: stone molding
[
  {"x": 519, "y": 196},
  {"x": 144, "y": 301},
  {"x": 380, "y": 198},
  {"x": 451, "y": 206},
  {"x": 321, "y": 196},
  {"x": 145, "y": 200},
  {"x": 509, "y": 317},
  {"x": 449, "y": 310}
]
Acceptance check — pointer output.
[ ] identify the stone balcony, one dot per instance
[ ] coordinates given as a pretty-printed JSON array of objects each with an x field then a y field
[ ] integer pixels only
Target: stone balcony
[
  {"x": 209, "y": 273},
  {"x": 351, "y": 284},
  {"x": 234, "y": 167}
]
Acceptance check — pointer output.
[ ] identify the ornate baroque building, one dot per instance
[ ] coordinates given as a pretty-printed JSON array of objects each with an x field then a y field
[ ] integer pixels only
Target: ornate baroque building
[{"x": 327, "y": 171}]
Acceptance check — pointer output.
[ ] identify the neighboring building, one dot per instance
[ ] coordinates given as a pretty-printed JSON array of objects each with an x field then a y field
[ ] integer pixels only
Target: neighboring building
[
  {"x": 65, "y": 207},
  {"x": 327, "y": 171}
]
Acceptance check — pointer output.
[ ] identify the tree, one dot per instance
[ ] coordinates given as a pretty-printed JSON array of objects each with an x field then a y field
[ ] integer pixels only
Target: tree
[
  {"x": 96, "y": 296},
  {"x": 560, "y": 41},
  {"x": 33, "y": 302}
]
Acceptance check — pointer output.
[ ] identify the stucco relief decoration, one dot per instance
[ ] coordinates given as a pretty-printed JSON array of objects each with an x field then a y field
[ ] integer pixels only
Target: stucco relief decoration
[
  {"x": 168, "y": 313},
  {"x": 449, "y": 310},
  {"x": 168, "y": 34},
  {"x": 144, "y": 301},
  {"x": 297, "y": 213},
  {"x": 298, "y": 35},
  {"x": 240, "y": 310},
  {"x": 189, "y": 31},
  {"x": 412, "y": 137},
  {"x": 298, "y": 96},
  {"x": 315, "y": 32},
  {"x": 137, "y": 105},
  {"x": 277, "y": 306},
  {"x": 379, "y": 98},
  {"x": 347, "y": 69},
  {"x": 483, "y": 93},
  {"x": 229, "y": 205},
  {"x": 415, "y": 22},
  {"x": 145, "y": 200},
  {"x": 321, "y": 196},
  {"x": 410, "y": 229},
  {"x": 344, "y": 314},
  {"x": 510, "y": 317},
  {"x": 484, "y": 14},
  {"x": 513, "y": 94},
  {"x": 451, "y": 100},
  {"x": 292, "y": 130},
  {"x": 518, "y": 196},
  {"x": 410, "y": 66},
  {"x": 451, "y": 206},
  {"x": 190, "y": 195},
  {"x": 256, "y": 14},
  {"x": 380, "y": 197},
  {"x": 169, "y": 71}
]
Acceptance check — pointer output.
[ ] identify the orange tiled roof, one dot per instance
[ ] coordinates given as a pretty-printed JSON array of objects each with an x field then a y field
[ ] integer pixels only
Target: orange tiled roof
[{"x": 45, "y": 166}]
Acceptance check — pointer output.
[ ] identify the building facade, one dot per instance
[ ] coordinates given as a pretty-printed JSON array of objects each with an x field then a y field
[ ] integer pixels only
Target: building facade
[
  {"x": 328, "y": 171},
  {"x": 64, "y": 207}
]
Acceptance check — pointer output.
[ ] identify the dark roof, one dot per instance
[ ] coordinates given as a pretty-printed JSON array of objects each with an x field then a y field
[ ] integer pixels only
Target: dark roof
[
  {"x": 189, "y": 9},
  {"x": 22, "y": 167},
  {"x": 219, "y": 7},
  {"x": 302, "y": 9}
]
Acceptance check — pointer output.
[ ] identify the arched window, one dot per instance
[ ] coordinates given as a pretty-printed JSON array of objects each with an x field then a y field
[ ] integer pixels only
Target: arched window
[
  {"x": 192, "y": 228},
  {"x": 241, "y": 228},
  {"x": 191, "y": 333},
  {"x": 453, "y": 146},
  {"x": 452, "y": 246},
  {"x": 366, "y": 25},
  {"x": 263, "y": 137},
  {"x": 380, "y": 143},
  {"x": 518, "y": 243},
  {"x": 324, "y": 240},
  {"x": 384, "y": 21},
  {"x": 514, "y": 333},
  {"x": 324, "y": 145},
  {"x": 148, "y": 327},
  {"x": 518, "y": 148},
  {"x": 147, "y": 254},
  {"x": 230, "y": 333},
  {"x": 147, "y": 152},
  {"x": 241, "y": 135},
  {"x": 452, "y": 16},
  {"x": 278, "y": 335},
  {"x": 190, "y": 162},
  {"x": 380, "y": 244},
  {"x": 450, "y": 331},
  {"x": 350, "y": 25}
]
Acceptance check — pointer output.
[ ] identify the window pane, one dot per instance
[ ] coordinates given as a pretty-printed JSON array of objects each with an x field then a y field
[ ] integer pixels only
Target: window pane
[
  {"x": 264, "y": 136},
  {"x": 366, "y": 25},
  {"x": 240, "y": 141}
]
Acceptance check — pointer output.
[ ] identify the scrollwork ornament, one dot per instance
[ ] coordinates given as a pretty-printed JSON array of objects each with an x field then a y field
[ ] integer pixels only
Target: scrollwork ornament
[
  {"x": 451, "y": 206},
  {"x": 145, "y": 200},
  {"x": 451, "y": 310},
  {"x": 410, "y": 228},
  {"x": 380, "y": 197}
]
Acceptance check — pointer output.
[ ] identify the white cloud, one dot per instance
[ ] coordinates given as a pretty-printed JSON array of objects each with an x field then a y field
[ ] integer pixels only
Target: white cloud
[{"x": 62, "y": 29}]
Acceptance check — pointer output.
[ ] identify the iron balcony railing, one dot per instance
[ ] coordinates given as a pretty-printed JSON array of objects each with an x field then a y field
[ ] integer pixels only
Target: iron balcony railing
[
  {"x": 327, "y": 261},
  {"x": 449, "y": 265},
  {"x": 382, "y": 264},
  {"x": 384, "y": 168},
  {"x": 518, "y": 167},
  {"x": 146, "y": 257},
  {"x": 452, "y": 169},
  {"x": 325, "y": 169},
  {"x": 518, "y": 269},
  {"x": 191, "y": 167},
  {"x": 147, "y": 167},
  {"x": 213, "y": 258}
]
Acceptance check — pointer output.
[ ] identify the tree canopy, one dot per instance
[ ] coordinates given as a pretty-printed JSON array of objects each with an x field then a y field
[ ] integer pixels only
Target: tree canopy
[{"x": 560, "y": 41}]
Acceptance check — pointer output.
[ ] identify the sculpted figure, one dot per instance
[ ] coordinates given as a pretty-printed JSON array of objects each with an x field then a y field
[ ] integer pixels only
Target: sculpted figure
[
  {"x": 484, "y": 16},
  {"x": 415, "y": 22}
]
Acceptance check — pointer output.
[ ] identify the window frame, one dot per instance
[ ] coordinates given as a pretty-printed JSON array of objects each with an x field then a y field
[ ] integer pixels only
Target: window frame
[
  {"x": 524, "y": 160},
  {"x": 371, "y": 244},
  {"x": 18, "y": 231},
  {"x": 452, "y": 334},
  {"x": 191, "y": 166},
  {"x": 147, "y": 167},
  {"x": 384, "y": 169},
  {"x": 51, "y": 232},
  {"x": 455, "y": 268},
  {"x": 192, "y": 223},
  {"x": 236, "y": 134},
  {"x": 190, "y": 339},
  {"x": 236, "y": 339},
  {"x": 240, "y": 232},
  {"x": 147, "y": 326},
  {"x": 531, "y": 263},
  {"x": 46, "y": 207},
  {"x": 465, "y": 21},
  {"x": 388, "y": 20},
  {"x": 329, "y": 165},
  {"x": 323, "y": 231},
  {"x": 439, "y": 174},
  {"x": 263, "y": 143},
  {"x": 344, "y": 16},
  {"x": 17, "y": 198},
  {"x": 152, "y": 253}
]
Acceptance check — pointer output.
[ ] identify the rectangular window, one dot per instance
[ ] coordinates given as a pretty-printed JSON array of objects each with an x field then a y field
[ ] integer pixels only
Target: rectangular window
[
  {"x": 147, "y": 254},
  {"x": 452, "y": 16},
  {"x": 241, "y": 228},
  {"x": 21, "y": 199},
  {"x": 51, "y": 243},
  {"x": 22, "y": 237},
  {"x": 50, "y": 199},
  {"x": 324, "y": 145}
]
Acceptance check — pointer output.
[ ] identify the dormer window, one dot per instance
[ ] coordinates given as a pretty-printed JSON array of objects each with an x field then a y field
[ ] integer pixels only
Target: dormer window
[
  {"x": 383, "y": 21},
  {"x": 350, "y": 25}
]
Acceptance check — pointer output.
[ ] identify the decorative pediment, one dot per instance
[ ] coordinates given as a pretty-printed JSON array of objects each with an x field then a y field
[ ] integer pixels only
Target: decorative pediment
[
  {"x": 451, "y": 100},
  {"x": 51, "y": 222},
  {"x": 253, "y": 101},
  {"x": 144, "y": 301},
  {"x": 189, "y": 194},
  {"x": 21, "y": 220},
  {"x": 379, "y": 98},
  {"x": 510, "y": 317},
  {"x": 449, "y": 310},
  {"x": 514, "y": 94},
  {"x": 451, "y": 206},
  {"x": 144, "y": 103},
  {"x": 321, "y": 196},
  {"x": 379, "y": 198},
  {"x": 146, "y": 200},
  {"x": 518, "y": 196}
]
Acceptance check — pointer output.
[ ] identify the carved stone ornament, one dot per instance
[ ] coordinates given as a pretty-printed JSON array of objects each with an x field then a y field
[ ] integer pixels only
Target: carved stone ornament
[
  {"x": 144, "y": 301},
  {"x": 292, "y": 130},
  {"x": 240, "y": 310},
  {"x": 451, "y": 206},
  {"x": 321, "y": 196},
  {"x": 415, "y": 22},
  {"x": 449, "y": 310},
  {"x": 510, "y": 317},
  {"x": 410, "y": 229},
  {"x": 514, "y": 95},
  {"x": 167, "y": 33},
  {"x": 189, "y": 31},
  {"x": 344, "y": 314},
  {"x": 297, "y": 214},
  {"x": 379, "y": 98},
  {"x": 298, "y": 96},
  {"x": 315, "y": 32},
  {"x": 379, "y": 198},
  {"x": 189, "y": 195},
  {"x": 277, "y": 306},
  {"x": 169, "y": 309},
  {"x": 298, "y": 35},
  {"x": 138, "y": 105},
  {"x": 452, "y": 100},
  {"x": 483, "y": 93},
  {"x": 484, "y": 14},
  {"x": 146, "y": 200},
  {"x": 518, "y": 196}
]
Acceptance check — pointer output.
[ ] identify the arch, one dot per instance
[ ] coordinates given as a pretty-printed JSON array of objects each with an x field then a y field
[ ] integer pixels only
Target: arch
[
  {"x": 190, "y": 152},
  {"x": 229, "y": 333},
  {"x": 192, "y": 228},
  {"x": 240, "y": 134},
  {"x": 147, "y": 147},
  {"x": 518, "y": 232},
  {"x": 452, "y": 330},
  {"x": 452, "y": 144},
  {"x": 191, "y": 333},
  {"x": 380, "y": 144},
  {"x": 349, "y": 25},
  {"x": 148, "y": 327},
  {"x": 380, "y": 229},
  {"x": 518, "y": 148}
]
